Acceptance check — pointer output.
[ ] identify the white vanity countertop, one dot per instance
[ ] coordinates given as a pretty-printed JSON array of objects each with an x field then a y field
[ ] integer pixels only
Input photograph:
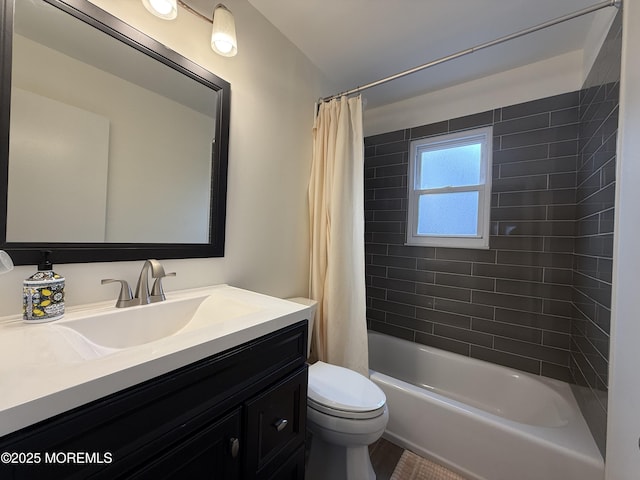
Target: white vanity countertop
[{"x": 46, "y": 370}]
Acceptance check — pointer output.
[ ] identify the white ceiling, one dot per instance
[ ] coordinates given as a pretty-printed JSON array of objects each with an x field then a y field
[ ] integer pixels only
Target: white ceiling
[{"x": 355, "y": 42}]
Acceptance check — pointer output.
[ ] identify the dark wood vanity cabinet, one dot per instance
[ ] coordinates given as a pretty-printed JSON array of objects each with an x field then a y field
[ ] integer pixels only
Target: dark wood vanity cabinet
[
  {"x": 239, "y": 414},
  {"x": 209, "y": 451}
]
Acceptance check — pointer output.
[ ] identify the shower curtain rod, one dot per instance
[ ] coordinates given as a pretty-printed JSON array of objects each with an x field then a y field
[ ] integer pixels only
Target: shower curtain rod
[{"x": 550, "y": 23}]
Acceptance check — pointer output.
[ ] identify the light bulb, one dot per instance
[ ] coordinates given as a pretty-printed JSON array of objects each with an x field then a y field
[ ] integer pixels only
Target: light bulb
[
  {"x": 223, "y": 45},
  {"x": 165, "y": 9}
]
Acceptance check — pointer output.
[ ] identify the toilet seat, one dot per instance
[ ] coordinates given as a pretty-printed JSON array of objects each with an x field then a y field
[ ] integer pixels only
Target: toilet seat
[{"x": 343, "y": 393}]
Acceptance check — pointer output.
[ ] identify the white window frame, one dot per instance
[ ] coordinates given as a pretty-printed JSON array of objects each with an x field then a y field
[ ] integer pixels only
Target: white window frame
[{"x": 481, "y": 241}]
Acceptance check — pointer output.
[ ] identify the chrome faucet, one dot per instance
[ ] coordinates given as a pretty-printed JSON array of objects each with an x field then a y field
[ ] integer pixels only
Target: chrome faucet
[
  {"x": 142, "y": 288},
  {"x": 142, "y": 295}
]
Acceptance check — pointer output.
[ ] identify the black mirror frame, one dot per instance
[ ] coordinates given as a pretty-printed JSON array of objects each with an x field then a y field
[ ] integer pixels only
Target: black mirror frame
[{"x": 30, "y": 253}]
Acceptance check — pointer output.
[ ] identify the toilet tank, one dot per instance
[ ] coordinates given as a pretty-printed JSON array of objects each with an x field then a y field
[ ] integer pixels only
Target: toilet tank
[{"x": 313, "y": 305}]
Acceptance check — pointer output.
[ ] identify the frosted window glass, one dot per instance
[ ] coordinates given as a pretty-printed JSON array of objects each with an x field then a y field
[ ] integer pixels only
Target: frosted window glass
[
  {"x": 450, "y": 167},
  {"x": 448, "y": 214}
]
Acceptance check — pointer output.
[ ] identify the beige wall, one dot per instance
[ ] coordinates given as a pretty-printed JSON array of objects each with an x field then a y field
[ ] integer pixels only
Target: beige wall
[
  {"x": 549, "y": 77},
  {"x": 553, "y": 76},
  {"x": 623, "y": 425},
  {"x": 273, "y": 88}
]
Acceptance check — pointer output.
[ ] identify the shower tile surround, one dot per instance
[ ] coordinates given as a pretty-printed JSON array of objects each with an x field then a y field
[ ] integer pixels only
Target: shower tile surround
[
  {"x": 595, "y": 198},
  {"x": 511, "y": 304},
  {"x": 539, "y": 300}
]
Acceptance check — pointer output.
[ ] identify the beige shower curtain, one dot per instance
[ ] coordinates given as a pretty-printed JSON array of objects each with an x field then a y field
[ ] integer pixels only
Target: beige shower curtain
[{"x": 336, "y": 209}]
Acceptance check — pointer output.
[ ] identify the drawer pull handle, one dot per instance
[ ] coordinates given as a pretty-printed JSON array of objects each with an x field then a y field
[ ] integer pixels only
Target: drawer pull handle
[
  {"x": 234, "y": 445},
  {"x": 281, "y": 424}
]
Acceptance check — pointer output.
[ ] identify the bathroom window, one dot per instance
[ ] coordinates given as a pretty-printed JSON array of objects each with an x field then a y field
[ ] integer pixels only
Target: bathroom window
[{"x": 450, "y": 190}]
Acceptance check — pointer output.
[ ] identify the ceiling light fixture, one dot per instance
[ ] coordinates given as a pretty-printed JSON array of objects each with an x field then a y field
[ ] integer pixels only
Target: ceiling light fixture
[{"x": 223, "y": 33}]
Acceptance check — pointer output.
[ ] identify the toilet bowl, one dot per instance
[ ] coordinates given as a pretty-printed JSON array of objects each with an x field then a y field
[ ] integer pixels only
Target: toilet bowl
[{"x": 346, "y": 412}]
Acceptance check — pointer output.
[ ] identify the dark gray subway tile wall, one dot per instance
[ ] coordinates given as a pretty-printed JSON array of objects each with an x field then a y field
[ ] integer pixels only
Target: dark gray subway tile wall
[
  {"x": 595, "y": 197},
  {"x": 511, "y": 304},
  {"x": 539, "y": 300}
]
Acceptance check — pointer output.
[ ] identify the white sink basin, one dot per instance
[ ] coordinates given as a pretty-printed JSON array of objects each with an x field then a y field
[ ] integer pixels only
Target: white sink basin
[
  {"x": 97, "y": 349},
  {"x": 134, "y": 326}
]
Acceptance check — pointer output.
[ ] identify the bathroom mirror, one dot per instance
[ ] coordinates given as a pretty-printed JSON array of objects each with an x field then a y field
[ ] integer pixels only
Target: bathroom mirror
[{"x": 114, "y": 147}]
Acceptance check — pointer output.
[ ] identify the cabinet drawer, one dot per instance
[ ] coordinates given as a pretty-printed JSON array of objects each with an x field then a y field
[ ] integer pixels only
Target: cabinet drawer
[{"x": 276, "y": 423}]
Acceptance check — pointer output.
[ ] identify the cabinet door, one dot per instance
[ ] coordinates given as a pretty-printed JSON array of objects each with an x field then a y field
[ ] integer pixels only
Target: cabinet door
[
  {"x": 293, "y": 469},
  {"x": 275, "y": 425},
  {"x": 212, "y": 453}
]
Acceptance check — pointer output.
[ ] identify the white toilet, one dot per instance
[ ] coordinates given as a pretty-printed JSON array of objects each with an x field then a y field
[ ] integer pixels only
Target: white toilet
[{"x": 346, "y": 412}]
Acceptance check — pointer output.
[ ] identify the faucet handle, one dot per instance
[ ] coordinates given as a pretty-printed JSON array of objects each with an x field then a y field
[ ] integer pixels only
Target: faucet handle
[
  {"x": 157, "y": 292},
  {"x": 125, "y": 291},
  {"x": 157, "y": 270}
]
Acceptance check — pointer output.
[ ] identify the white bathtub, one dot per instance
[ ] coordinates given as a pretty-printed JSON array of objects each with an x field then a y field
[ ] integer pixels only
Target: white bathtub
[{"x": 482, "y": 420}]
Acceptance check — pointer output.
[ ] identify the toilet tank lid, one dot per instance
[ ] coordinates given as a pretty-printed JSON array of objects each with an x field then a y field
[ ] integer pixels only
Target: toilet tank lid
[{"x": 342, "y": 389}]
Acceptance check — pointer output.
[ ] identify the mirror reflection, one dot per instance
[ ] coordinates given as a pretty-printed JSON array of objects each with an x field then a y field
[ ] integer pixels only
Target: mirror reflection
[{"x": 107, "y": 144}]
